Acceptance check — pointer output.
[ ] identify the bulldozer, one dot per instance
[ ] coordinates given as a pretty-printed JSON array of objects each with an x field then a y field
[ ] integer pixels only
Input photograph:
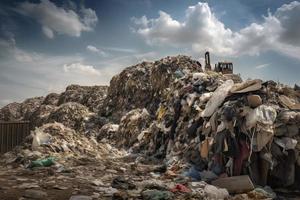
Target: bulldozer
[{"x": 223, "y": 67}]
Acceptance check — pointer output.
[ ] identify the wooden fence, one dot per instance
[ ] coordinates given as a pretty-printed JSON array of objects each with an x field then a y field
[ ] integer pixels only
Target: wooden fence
[{"x": 12, "y": 134}]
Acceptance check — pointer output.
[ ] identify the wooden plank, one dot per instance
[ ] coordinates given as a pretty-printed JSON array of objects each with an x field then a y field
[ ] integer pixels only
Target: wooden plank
[
  {"x": 5, "y": 138},
  {"x": 235, "y": 184},
  {"x": 21, "y": 132},
  {"x": 17, "y": 133},
  {"x": 2, "y": 138},
  {"x": 14, "y": 135},
  {"x": 11, "y": 137},
  {"x": 26, "y": 130},
  {"x": 9, "y": 131}
]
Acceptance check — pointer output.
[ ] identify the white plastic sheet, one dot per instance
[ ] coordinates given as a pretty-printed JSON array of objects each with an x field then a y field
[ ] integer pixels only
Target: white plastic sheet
[
  {"x": 40, "y": 138},
  {"x": 217, "y": 98},
  {"x": 263, "y": 114}
]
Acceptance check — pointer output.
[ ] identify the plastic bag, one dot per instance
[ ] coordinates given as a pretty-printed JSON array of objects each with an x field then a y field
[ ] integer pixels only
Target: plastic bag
[
  {"x": 215, "y": 193},
  {"x": 42, "y": 162},
  {"x": 199, "y": 76},
  {"x": 263, "y": 114},
  {"x": 179, "y": 73},
  {"x": 39, "y": 138}
]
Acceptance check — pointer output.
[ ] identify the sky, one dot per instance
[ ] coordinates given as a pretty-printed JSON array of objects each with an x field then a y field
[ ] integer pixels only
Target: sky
[{"x": 46, "y": 45}]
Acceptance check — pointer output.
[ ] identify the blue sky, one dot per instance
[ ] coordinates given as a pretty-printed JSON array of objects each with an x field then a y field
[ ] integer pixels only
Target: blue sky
[{"x": 46, "y": 45}]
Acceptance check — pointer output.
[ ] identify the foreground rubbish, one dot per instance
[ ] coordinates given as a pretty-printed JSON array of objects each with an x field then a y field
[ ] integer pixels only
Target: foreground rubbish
[
  {"x": 235, "y": 184},
  {"x": 161, "y": 130},
  {"x": 42, "y": 163}
]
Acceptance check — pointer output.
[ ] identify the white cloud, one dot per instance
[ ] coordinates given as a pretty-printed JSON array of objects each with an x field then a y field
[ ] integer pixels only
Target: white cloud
[
  {"x": 53, "y": 73},
  {"x": 94, "y": 49},
  {"x": 59, "y": 20},
  {"x": 118, "y": 49},
  {"x": 201, "y": 30},
  {"x": 89, "y": 18},
  {"x": 262, "y": 66},
  {"x": 143, "y": 21},
  {"x": 48, "y": 32},
  {"x": 47, "y": 73},
  {"x": 82, "y": 69},
  {"x": 289, "y": 16},
  {"x": 9, "y": 49}
]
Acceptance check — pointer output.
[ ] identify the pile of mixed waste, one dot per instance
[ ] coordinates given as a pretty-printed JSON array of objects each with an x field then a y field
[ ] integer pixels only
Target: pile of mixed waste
[
  {"x": 195, "y": 134},
  {"x": 61, "y": 142},
  {"x": 92, "y": 97},
  {"x": 208, "y": 125}
]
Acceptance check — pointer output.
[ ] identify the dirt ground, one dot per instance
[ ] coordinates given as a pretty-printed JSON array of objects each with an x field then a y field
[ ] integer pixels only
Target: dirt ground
[
  {"x": 86, "y": 176},
  {"x": 77, "y": 180}
]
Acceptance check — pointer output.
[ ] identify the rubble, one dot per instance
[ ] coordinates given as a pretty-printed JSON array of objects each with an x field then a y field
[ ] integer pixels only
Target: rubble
[
  {"x": 109, "y": 132},
  {"x": 223, "y": 127},
  {"x": 11, "y": 112},
  {"x": 35, "y": 194},
  {"x": 20, "y": 111},
  {"x": 89, "y": 96},
  {"x": 132, "y": 124},
  {"x": 29, "y": 106},
  {"x": 38, "y": 109},
  {"x": 51, "y": 99},
  {"x": 143, "y": 85},
  {"x": 161, "y": 130},
  {"x": 81, "y": 197},
  {"x": 49, "y": 144},
  {"x": 70, "y": 114},
  {"x": 41, "y": 115}
]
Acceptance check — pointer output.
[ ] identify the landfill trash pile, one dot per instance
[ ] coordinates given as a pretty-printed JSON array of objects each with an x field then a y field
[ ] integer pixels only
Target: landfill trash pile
[
  {"x": 76, "y": 108},
  {"x": 188, "y": 134},
  {"x": 59, "y": 141},
  {"x": 51, "y": 99},
  {"x": 144, "y": 84},
  {"x": 217, "y": 125},
  {"x": 70, "y": 114},
  {"x": 20, "y": 111},
  {"x": 109, "y": 133},
  {"x": 41, "y": 115},
  {"x": 132, "y": 124},
  {"x": 89, "y": 96}
]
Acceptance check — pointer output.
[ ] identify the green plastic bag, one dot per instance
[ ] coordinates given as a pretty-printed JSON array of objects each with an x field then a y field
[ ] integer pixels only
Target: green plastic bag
[{"x": 42, "y": 162}]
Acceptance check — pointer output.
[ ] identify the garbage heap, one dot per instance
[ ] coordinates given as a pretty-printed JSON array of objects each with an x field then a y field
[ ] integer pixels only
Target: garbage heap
[
  {"x": 63, "y": 125},
  {"x": 19, "y": 111},
  {"x": 206, "y": 125},
  {"x": 76, "y": 108},
  {"x": 144, "y": 85},
  {"x": 54, "y": 140},
  {"x": 89, "y": 96}
]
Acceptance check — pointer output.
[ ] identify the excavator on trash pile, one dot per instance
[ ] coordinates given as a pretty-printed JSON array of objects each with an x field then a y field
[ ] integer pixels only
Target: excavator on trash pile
[{"x": 223, "y": 67}]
